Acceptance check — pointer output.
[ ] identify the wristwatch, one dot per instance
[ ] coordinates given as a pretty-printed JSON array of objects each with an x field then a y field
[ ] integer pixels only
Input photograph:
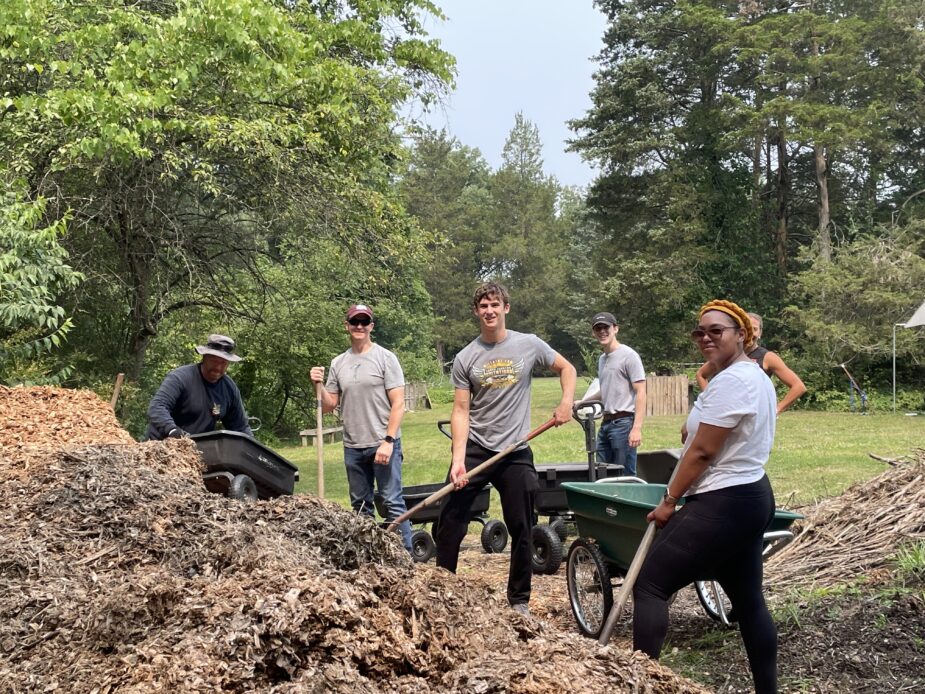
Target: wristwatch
[
  {"x": 673, "y": 500},
  {"x": 389, "y": 439}
]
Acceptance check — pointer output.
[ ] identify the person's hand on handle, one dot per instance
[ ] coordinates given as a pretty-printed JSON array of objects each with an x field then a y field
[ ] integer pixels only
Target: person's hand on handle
[
  {"x": 458, "y": 475},
  {"x": 317, "y": 374},
  {"x": 563, "y": 413},
  {"x": 661, "y": 514},
  {"x": 384, "y": 453}
]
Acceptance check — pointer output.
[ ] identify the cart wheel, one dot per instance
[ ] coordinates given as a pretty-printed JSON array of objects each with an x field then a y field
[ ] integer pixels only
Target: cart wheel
[
  {"x": 242, "y": 487},
  {"x": 714, "y": 600},
  {"x": 560, "y": 528},
  {"x": 589, "y": 590},
  {"x": 547, "y": 550},
  {"x": 494, "y": 537},
  {"x": 423, "y": 547}
]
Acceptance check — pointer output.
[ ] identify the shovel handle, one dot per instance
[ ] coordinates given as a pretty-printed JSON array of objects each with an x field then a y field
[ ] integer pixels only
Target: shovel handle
[
  {"x": 631, "y": 574},
  {"x": 450, "y": 486}
]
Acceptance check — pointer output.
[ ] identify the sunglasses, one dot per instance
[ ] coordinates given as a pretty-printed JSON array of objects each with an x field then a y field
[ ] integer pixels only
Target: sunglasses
[
  {"x": 360, "y": 321},
  {"x": 714, "y": 331}
]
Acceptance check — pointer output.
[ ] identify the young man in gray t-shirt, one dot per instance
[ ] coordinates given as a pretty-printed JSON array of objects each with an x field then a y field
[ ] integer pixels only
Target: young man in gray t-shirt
[
  {"x": 491, "y": 411},
  {"x": 367, "y": 383},
  {"x": 623, "y": 395}
]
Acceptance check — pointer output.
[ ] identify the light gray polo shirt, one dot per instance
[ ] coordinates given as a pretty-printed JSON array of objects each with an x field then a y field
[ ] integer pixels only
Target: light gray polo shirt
[
  {"x": 498, "y": 377},
  {"x": 363, "y": 382}
]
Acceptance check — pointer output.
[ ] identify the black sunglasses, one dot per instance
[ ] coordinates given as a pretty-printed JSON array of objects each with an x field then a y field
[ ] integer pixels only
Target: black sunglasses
[
  {"x": 359, "y": 321},
  {"x": 220, "y": 346},
  {"x": 714, "y": 331}
]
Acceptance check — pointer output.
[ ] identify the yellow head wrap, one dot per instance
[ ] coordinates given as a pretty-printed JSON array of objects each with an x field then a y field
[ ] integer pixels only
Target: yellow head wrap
[{"x": 733, "y": 310}]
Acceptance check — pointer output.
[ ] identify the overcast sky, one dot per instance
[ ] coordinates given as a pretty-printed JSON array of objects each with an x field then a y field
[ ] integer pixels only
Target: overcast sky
[{"x": 533, "y": 56}]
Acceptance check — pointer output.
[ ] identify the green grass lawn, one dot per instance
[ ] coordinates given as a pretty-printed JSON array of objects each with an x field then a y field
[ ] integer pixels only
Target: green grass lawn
[{"x": 816, "y": 454}]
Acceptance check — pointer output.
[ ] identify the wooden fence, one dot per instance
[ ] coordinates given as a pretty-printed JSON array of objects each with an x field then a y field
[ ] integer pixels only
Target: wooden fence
[
  {"x": 666, "y": 395},
  {"x": 416, "y": 397}
]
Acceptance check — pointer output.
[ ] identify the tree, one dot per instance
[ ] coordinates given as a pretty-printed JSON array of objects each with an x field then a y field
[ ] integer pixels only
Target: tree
[
  {"x": 188, "y": 140},
  {"x": 446, "y": 188},
  {"x": 34, "y": 274}
]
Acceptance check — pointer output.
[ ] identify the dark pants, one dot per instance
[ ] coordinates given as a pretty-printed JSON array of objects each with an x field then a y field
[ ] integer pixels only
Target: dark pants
[
  {"x": 515, "y": 479},
  {"x": 714, "y": 536}
]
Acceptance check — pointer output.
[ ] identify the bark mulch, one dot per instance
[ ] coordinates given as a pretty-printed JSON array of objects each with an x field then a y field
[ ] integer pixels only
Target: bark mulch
[{"x": 120, "y": 572}]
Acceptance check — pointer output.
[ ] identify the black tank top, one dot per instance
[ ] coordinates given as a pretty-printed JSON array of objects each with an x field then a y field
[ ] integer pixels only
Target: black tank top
[{"x": 757, "y": 355}]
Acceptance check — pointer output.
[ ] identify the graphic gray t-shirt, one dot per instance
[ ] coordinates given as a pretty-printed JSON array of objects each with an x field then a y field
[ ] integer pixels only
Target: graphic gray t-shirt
[
  {"x": 618, "y": 371},
  {"x": 363, "y": 381},
  {"x": 497, "y": 377}
]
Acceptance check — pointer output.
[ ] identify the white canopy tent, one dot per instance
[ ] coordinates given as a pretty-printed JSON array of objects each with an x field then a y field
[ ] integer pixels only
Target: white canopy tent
[{"x": 918, "y": 318}]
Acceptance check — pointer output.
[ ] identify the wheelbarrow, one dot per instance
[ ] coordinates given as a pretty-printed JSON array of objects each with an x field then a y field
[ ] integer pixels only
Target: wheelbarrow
[
  {"x": 611, "y": 520},
  {"x": 494, "y": 535},
  {"x": 243, "y": 468},
  {"x": 548, "y": 540},
  {"x": 423, "y": 548}
]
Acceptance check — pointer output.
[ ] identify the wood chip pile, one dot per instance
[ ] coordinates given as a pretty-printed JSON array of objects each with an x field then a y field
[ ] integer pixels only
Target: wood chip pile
[
  {"x": 119, "y": 572},
  {"x": 44, "y": 415},
  {"x": 855, "y": 534}
]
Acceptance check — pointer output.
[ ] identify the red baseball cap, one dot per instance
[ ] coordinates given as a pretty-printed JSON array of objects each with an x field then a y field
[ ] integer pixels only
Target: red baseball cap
[{"x": 359, "y": 310}]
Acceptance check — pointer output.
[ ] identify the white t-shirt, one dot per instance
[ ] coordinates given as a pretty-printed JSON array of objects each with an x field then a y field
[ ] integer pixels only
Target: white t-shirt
[{"x": 742, "y": 398}]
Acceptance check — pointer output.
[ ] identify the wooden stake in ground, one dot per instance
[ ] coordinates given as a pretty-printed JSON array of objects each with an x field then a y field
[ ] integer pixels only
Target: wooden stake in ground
[
  {"x": 115, "y": 391},
  {"x": 319, "y": 439}
]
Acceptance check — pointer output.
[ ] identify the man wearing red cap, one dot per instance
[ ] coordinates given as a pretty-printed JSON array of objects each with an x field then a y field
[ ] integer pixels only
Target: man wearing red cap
[{"x": 367, "y": 383}]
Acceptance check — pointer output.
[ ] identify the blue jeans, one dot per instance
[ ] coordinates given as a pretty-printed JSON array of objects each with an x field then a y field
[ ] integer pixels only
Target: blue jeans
[
  {"x": 362, "y": 470},
  {"x": 613, "y": 444}
]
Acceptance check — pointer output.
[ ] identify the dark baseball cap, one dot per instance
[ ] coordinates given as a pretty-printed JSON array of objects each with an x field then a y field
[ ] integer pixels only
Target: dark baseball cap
[
  {"x": 603, "y": 317},
  {"x": 359, "y": 310}
]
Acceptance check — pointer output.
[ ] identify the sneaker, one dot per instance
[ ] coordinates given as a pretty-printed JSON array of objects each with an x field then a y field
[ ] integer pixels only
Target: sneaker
[{"x": 521, "y": 608}]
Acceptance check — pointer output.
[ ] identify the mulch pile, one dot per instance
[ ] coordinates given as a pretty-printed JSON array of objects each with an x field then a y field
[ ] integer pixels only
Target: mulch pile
[
  {"x": 44, "y": 415},
  {"x": 119, "y": 572},
  {"x": 856, "y": 534}
]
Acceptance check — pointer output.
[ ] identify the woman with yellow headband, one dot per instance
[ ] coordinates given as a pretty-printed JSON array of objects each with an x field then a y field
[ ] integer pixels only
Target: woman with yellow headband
[
  {"x": 718, "y": 532},
  {"x": 770, "y": 362}
]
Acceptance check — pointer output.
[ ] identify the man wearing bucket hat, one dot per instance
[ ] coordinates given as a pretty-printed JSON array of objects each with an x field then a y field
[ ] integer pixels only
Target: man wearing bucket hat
[
  {"x": 192, "y": 399},
  {"x": 368, "y": 385},
  {"x": 623, "y": 393}
]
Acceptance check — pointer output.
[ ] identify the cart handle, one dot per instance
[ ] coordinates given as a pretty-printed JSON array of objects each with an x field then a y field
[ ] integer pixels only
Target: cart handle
[
  {"x": 589, "y": 410},
  {"x": 441, "y": 425}
]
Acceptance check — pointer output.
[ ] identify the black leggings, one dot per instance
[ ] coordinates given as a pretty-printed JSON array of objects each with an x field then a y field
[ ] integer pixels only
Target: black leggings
[
  {"x": 515, "y": 479},
  {"x": 714, "y": 536}
]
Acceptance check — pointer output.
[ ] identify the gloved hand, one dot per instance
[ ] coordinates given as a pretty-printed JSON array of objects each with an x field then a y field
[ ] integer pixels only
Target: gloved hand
[{"x": 177, "y": 433}]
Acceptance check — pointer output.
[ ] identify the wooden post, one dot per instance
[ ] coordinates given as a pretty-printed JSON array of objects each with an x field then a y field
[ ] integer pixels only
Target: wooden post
[
  {"x": 320, "y": 439},
  {"x": 115, "y": 391}
]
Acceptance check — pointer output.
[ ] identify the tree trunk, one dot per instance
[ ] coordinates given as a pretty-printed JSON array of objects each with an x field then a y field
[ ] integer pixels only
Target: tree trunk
[
  {"x": 783, "y": 200},
  {"x": 822, "y": 186}
]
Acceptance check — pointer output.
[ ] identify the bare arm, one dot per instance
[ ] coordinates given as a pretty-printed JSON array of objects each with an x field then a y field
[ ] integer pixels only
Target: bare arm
[
  {"x": 329, "y": 401},
  {"x": 396, "y": 413},
  {"x": 459, "y": 428},
  {"x": 795, "y": 387},
  {"x": 567, "y": 378},
  {"x": 704, "y": 374},
  {"x": 635, "y": 437},
  {"x": 703, "y": 450}
]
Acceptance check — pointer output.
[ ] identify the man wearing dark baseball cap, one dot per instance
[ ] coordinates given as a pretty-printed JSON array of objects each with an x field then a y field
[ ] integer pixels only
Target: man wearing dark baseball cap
[
  {"x": 623, "y": 394},
  {"x": 368, "y": 385},
  {"x": 194, "y": 398}
]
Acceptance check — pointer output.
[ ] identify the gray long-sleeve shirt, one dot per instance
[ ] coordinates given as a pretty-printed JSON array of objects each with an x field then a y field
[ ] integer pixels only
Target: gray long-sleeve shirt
[{"x": 187, "y": 401}]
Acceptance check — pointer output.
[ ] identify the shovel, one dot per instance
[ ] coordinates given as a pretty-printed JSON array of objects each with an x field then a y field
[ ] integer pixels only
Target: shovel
[
  {"x": 449, "y": 487},
  {"x": 631, "y": 574},
  {"x": 320, "y": 439}
]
